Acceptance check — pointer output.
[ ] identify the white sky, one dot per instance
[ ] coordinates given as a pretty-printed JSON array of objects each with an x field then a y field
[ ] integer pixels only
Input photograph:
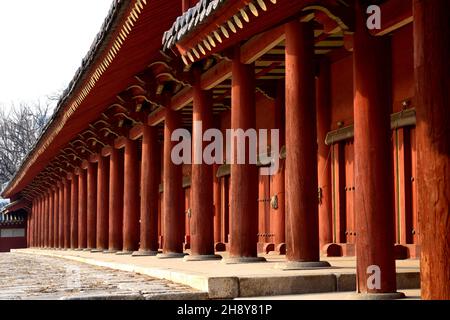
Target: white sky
[{"x": 42, "y": 44}]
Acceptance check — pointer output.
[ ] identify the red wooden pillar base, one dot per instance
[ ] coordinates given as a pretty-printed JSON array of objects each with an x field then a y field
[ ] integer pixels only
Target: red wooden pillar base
[
  {"x": 302, "y": 229},
  {"x": 432, "y": 69},
  {"x": 376, "y": 277}
]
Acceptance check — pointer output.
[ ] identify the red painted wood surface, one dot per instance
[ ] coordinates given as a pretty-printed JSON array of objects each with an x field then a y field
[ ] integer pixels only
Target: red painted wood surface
[
  {"x": 82, "y": 209},
  {"x": 202, "y": 190},
  {"x": 103, "y": 167},
  {"x": 217, "y": 207},
  {"x": 323, "y": 98},
  {"x": 50, "y": 218},
  {"x": 91, "y": 223},
  {"x": 244, "y": 177},
  {"x": 302, "y": 229},
  {"x": 373, "y": 161},
  {"x": 431, "y": 27},
  {"x": 74, "y": 212},
  {"x": 225, "y": 207},
  {"x": 131, "y": 205},
  {"x": 150, "y": 180},
  {"x": 173, "y": 215},
  {"x": 56, "y": 217},
  {"x": 116, "y": 173},
  {"x": 67, "y": 208},
  {"x": 61, "y": 206},
  {"x": 264, "y": 230},
  {"x": 349, "y": 191}
]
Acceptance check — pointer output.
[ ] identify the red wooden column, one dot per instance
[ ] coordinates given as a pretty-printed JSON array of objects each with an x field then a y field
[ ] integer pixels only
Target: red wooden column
[
  {"x": 43, "y": 220},
  {"x": 115, "y": 201},
  {"x": 50, "y": 218},
  {"x": 74, "y": 212},
  {"x": 131, "y": 201},
  {"x": 82, "y": 209},
  {"x": 91, "y": 205},
  {"x": 35, "y": 222},
  {"x": 28, "y": 230},
  {"x": 374, "y": 210},
  {"x": 46, "y": 219},
  {"x": 432, "y": 69},
  {"x": 56, "y": 217},
  {"x": 302, "y": 229},
  {"x": 43, "y": 211},
  {"x": 277, "y": 185},
  {"x": 150, "y": 179},
  {"x": 173, "y": 230},
  {"x": 218, "y": 245},
  {"x": 36, "y": 236},
  {"x": 202, "y": 193},
  {"x": 61, "y": 206},
  {"x": 279, "y": 214},
  {"x": 38, "y": 221},
  {"x": 244, "y": 177},
  {"x": 67, "y": 207},
  {"x": 324, "y": 156},
  {"x": 30, "y": 219},
  {"x": 102, "y": 226}
]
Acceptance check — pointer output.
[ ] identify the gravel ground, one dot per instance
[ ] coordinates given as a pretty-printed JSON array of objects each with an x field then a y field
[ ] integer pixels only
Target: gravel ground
[{"x": 25, "y": 277}]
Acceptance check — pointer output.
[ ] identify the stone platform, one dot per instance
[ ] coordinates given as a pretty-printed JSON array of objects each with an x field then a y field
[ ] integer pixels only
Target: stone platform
[{"x": 224, "y": 281}]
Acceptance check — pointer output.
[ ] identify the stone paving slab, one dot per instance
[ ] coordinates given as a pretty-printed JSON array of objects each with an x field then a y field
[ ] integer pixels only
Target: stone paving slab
[
  {"x": 40, "y": 277},
  {"x": 410, "y": 294},
  {"x": 222, "y": 281}
]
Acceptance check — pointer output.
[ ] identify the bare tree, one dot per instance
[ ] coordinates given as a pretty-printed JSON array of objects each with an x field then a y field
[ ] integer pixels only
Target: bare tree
[{"x": 19, "y": 130}]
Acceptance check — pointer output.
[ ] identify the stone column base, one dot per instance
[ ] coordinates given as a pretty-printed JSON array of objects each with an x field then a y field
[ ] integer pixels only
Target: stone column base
[
  {"x": 240, "y": 260},
  {"x": 202, "y": 257},
  {"x": 303, "y": 265}
]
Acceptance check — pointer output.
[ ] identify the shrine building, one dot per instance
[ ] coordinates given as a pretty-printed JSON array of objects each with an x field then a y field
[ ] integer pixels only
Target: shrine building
[{"x": 363, "y": 115}]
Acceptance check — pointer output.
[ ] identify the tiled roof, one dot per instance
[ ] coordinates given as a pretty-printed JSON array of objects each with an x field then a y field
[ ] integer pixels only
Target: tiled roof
[
  {"x": 190, "y": 20},
  {"x": 115, "y": 11}
]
